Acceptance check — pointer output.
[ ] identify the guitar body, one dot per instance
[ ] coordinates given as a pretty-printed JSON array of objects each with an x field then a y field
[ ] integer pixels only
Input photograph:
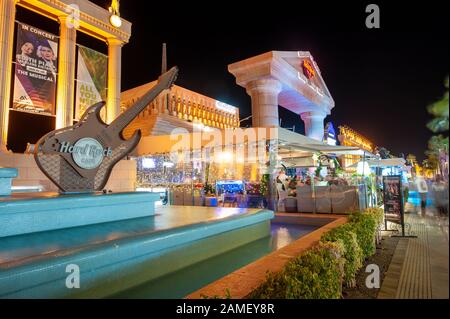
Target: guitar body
[
  {"x": 61, "y": 168},
  {"x": 80, "y": 158}
]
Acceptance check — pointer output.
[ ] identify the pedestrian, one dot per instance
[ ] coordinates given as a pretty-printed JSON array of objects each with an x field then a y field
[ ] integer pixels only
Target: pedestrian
[
  {"x": 440, "y": 195},
  {"x": 422, "y": 188}
]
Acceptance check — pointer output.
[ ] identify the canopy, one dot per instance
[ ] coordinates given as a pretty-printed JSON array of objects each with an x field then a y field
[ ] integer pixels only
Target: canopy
[
  {"x": 298, "y": 162},
  {"x": 288, "y": 141},
  {"x": 388, "y": 162}
]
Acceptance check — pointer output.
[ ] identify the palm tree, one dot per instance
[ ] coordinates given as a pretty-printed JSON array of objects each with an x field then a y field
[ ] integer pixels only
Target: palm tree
[
  {"x": 431, "y": 163},
  {"x": 438, "y": 151},
  {"x": 439, "y": 110},
  {"x": 411, "y": 159},
  {"x": 438, "y": 145},
  {"x": 384, "y": 153}
]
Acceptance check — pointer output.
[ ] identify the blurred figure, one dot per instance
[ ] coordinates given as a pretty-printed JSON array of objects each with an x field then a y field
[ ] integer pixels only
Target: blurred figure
[
  {"x": 441, "y": 195},
  {"x": 165, "y": 199},
  {"x": 422, "y": 188},
  {"x": 283, "y": 179}
]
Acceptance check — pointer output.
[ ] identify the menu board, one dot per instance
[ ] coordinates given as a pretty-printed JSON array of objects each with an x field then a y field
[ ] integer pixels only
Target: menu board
[{"x": 393, "y": 198}]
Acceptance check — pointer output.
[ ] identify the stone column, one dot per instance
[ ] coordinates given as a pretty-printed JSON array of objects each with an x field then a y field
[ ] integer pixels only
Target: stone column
[
  {"x": 114, "y": 76},
  {"x": 264, "y": 94},
  {"x": 314, "y": 127},
  {"x": 7, "y": 21},
  {"x": 66, "y": 73}
]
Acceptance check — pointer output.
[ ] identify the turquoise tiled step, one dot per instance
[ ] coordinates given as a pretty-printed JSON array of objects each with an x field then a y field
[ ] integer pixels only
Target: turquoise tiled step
[
  {"x": 6, "y": 176},
  {"x": 109, "y": 267},
  {"x": 36, "y": 213}
]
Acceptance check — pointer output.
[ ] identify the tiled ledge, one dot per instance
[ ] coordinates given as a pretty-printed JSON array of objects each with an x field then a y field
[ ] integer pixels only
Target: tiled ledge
[
  {"x": 243, "y": 281},
  {"x": 122, "y": 179}
]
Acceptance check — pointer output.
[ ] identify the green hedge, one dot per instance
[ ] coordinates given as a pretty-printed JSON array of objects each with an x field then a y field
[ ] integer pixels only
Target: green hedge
[
  {"x": 316, "y": 274},
  {"x": 320, "y": 272},
  {"x": 377, "y": 214},
  {"x": 365, "y": 226},
  {"x": 352, "y": 251}
]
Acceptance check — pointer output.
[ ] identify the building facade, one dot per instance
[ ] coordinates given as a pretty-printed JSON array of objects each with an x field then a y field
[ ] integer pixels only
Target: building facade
[
  {"x": 349, "y": 137},
  {"x": 290, "y": 79},
  {"x": 30, "y": 56},
  {"x": 178, "y": 108}
]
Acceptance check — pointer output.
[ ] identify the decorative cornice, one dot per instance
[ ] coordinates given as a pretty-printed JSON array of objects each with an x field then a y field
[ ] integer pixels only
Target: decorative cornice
[{"x": 105, "y": 26}]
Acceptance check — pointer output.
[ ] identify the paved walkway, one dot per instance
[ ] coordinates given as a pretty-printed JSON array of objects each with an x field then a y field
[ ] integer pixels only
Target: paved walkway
[{"x": 420, "y": 266}]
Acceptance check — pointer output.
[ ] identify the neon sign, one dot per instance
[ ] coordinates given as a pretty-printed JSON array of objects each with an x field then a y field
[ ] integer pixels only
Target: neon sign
[{"x": 308, "y": 69}]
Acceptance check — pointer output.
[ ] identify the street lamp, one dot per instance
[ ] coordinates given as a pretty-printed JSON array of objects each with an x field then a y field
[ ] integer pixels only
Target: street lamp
[{"x": 115, "y": 20}]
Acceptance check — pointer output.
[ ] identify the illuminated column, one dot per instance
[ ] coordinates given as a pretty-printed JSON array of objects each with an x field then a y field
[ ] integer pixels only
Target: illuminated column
[
  {"x": 264, "y": 94},
  {"x": 314, "y": 127},
  {"x": 7, "y": 20},
  {"x": 114, "y": 75},
  {"x": 66, "y": 73}
]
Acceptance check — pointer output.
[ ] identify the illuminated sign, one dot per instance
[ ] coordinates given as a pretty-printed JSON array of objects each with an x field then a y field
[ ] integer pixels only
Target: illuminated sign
[
  {"x": 87, "y": 152},
  {"x": 352, "y": 138},
  {"x": 330, "y": 134},
  {"x": 308, "y": 69},
  {"x": 148, "y": 163},
  {"x": 76, "y": 161}
]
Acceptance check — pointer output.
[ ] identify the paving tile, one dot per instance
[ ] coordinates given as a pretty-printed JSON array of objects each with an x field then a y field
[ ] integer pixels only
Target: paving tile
[{"x": 419, "y": 267}]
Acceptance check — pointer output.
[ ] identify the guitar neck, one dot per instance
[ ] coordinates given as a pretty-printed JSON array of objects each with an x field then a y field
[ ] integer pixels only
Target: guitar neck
[{"x": 130, "y": 114}]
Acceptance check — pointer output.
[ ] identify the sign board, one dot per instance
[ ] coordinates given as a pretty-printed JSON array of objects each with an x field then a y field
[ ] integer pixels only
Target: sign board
[
  {"x": 308, "y": 69},
  {"x": 80, "y": 158},
  {"x": 393, "y": 199},
  {"x": 35, "y": 70},
  {"x": 91, "y": 80},
  {"x": 330, "y": 134}
]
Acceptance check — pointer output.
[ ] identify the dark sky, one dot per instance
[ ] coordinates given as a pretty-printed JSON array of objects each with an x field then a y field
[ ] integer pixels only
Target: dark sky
[{"x": 381, "y": 80}]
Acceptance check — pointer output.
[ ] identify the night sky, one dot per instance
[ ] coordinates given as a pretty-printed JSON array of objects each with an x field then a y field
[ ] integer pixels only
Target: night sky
[{"x": 381, "y": 80}]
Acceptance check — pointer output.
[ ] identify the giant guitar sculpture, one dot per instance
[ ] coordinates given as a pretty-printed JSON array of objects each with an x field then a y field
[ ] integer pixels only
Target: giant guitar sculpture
[{"x": 80, "y": 158}]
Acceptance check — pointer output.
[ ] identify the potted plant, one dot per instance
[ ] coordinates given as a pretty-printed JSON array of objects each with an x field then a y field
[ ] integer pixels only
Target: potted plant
[{"x": 264, "y": 188}]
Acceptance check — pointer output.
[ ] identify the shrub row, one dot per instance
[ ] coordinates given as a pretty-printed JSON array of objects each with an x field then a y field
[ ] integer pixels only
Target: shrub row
[
  {"x": 351, "y": 253},
  {"x": 320, "y": 272},
  {"x": 316, "y": 274}
]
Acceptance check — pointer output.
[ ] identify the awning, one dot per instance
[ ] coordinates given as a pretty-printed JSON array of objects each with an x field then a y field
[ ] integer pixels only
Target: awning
[
  {"x": 298, "y": 162},
  {"x": 388, "y": 162},
  {"x": 292, "y": 140},
  {"x": 287, "y": 141}
]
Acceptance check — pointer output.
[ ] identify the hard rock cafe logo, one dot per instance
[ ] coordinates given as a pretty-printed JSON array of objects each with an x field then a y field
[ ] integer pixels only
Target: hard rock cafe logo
[
  {"x": 87, "y": 152},
  {"x": 308, "y": 69}
]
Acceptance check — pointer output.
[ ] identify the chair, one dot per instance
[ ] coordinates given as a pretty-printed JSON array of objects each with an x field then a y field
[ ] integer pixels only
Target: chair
[
  {"x": 255, "y": 201},
  {"x": 282, "y": 195},
  {"x": 230, "y": 200}
]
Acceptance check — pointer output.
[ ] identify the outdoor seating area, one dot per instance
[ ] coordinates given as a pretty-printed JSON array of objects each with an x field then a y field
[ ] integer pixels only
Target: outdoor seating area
[{"x": 185, "y": 197}]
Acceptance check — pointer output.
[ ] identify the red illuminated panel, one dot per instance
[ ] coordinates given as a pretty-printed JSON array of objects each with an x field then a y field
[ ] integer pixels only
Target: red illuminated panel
[{"x": 308, "y": 69}]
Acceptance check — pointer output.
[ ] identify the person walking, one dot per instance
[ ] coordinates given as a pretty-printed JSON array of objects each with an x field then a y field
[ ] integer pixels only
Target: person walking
[
  {"x": 440, "y": 192},
  {"x": 422, "y": 188}
]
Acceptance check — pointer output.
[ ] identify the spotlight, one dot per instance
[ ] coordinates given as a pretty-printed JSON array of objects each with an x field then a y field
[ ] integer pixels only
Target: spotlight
[{"x": 116, "y": 21}]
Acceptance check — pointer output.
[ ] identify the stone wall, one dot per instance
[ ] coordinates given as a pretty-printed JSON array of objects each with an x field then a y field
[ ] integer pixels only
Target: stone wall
[{"x": 123, "y": 177}]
